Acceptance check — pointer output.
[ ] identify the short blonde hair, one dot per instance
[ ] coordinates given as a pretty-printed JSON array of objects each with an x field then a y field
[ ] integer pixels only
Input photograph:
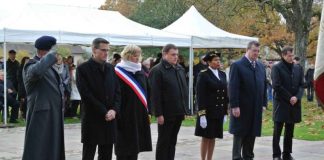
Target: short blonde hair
[{"x": 130, "y": 50}]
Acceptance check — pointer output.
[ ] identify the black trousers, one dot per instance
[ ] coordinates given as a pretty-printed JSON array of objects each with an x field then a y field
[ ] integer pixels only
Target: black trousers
[
  {"x": 74, "y": 107},
  {"x": 129, "y": 157},
  {"x": 167, "y": 138},
  {"x": 14, "y": 104},
  {"x": 243, "y": 147},
  {"x": 104, "y": 151},
  {"x": 288, "y": 136},
  {"x": 310, "y": 92}
]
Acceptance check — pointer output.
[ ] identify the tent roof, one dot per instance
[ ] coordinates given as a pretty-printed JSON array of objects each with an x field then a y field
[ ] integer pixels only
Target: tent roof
[
  {"x": 79, "y": 25},
  {"x": 204, "y": 33}
]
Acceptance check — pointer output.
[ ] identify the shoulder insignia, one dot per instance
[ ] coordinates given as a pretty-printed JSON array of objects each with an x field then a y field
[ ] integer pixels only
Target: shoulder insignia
[{"x": 204, "y": 70}]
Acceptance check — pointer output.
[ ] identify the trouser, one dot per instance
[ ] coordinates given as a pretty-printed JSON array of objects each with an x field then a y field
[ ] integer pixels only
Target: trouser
[
  {"x": 288, "y": 136},
  {"x": 74, "y": 108},
  {"x": 104, "y": 151},
  {"x": 23, "y": 108},
  {"x": 127, "y": 157},
  {"x": 269, "y": 88},
  {"x": 167, "y": 138},
  {"x": 310, "y": 92},
  {"x": 244, "y": 145},
  {"x": 14, "y": 104}
]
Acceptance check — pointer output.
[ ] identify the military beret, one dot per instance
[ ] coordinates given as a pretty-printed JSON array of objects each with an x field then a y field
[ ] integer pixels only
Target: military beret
[
  {"x": 45, "y": 43},
  {"x": 210, "y": 55}
]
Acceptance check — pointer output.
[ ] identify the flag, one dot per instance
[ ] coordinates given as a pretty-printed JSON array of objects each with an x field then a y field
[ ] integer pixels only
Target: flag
[{"x": 319, "y": 64}]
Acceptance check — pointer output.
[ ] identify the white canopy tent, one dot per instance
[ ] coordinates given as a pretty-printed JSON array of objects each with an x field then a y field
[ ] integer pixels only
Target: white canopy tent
[
  {"x": 77, "y": 25},
  {"x": 204, "y": 35}
]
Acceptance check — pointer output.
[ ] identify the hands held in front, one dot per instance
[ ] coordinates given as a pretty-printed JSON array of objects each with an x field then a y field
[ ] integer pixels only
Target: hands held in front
[
  {"x": 160, "y": 120},
  {"x": 293, "y": 100},
  {"x": 203, "y": 122},
  {"x": 111, "y": 114},
  {"x": 236, "y": 112}
]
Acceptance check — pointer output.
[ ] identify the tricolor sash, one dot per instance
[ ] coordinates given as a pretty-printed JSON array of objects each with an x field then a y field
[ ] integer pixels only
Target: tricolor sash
[{"x": 133, "y": 84}]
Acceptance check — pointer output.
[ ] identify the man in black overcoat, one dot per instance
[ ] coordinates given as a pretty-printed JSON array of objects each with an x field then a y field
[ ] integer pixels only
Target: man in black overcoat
[
  {"x": 287, "y": 81},
  {"x": 100, "y": 95}
]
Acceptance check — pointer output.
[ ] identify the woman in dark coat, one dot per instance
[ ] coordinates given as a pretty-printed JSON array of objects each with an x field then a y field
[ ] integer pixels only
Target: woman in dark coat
[
  {"x": 21, "y": 88},
  {"x": 212, "y": 103},
  {"x": 133, "y": 125}
]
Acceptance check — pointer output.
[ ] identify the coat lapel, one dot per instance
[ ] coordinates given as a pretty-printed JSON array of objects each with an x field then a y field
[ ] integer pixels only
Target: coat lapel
[
  {"x": 248, "y": 63},
  {"x": 212, "y": 75}
]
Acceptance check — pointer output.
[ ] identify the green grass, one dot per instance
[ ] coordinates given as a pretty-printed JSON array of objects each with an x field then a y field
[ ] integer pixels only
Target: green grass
[{"x": 311, "y": 128}]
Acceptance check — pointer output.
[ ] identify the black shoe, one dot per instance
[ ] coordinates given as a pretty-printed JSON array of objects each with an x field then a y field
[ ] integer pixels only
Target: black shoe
[
  {"x": 277, "y": 158},
  {"x": 288, "y": 157}
]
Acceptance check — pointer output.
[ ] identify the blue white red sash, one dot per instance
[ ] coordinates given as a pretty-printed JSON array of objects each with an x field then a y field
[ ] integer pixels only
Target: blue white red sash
[{"x": 133, "y": 84}]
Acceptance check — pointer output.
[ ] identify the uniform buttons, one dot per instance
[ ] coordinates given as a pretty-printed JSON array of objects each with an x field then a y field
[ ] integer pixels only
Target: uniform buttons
[
  {"x": 222, "y": 105},
  {"x": 216, "y": 105},
  {"x": 217, "y": 90},
  {"x": 222, "y": 97},
  {"x": 217, "y": 98},
  {"x": 223, "y": 90}
]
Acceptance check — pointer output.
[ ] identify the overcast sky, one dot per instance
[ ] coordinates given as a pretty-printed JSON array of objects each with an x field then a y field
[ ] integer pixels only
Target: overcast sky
[{"x": 80, "y": 3}]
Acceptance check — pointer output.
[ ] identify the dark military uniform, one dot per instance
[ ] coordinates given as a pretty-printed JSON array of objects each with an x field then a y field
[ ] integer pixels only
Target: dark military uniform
[{"x": 212, "y": 102}]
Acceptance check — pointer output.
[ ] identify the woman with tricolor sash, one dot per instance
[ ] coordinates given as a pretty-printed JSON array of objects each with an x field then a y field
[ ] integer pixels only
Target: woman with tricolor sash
[{"x": 133, "y": 125}]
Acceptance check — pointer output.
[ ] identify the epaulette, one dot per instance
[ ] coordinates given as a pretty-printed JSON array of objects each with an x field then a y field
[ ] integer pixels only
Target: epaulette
[{"x": 204, "y": 70}]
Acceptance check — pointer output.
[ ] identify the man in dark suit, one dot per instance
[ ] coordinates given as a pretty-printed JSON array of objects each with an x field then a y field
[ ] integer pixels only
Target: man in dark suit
[
  {"x": 169, "y": 99},
  {"x": 247, "y": 94},
  {"x": 287, "y": 80},
  {"x": 100, "y": 95},
  {"x": 44, "y": 137}
]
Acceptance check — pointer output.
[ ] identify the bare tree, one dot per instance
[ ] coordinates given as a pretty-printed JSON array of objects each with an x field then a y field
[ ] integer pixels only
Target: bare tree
[{"x": 298, "y": 14}]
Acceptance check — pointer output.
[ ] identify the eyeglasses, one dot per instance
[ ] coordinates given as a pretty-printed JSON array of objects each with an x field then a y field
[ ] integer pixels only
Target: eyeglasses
[{"x": 103, "y": 50}]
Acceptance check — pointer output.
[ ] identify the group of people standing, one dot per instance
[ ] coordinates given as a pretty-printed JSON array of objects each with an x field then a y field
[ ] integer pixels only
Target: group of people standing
[{"x": 117, "y": 101}]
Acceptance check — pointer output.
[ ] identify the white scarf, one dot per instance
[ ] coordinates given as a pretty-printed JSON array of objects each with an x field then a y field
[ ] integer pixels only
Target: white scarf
[
  {"x": 59, "y": 68},
  {"x": 130, "y": 66}
]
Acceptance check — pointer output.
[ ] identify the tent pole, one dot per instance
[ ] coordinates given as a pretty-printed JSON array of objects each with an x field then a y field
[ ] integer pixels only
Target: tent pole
[
  {"x": 191, "y": 57},
  {"x": 5, "y": 78}
]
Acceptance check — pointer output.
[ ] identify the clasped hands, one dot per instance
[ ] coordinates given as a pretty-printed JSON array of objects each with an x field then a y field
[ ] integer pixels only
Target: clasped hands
[{"x": 110, "y": 115}]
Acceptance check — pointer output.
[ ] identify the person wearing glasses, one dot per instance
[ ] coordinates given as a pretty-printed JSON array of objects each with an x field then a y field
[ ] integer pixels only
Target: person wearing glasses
[
  {"x": 212, "y": 104},
  {"x": 100, "y": 95}
]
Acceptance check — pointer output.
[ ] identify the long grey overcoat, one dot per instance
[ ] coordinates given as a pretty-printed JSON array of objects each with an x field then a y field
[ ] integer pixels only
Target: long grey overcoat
[{"x": 44, "y": 137}]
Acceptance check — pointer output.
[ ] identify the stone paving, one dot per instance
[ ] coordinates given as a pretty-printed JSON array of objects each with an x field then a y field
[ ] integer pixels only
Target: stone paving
[{"x": 12, "y": 140}]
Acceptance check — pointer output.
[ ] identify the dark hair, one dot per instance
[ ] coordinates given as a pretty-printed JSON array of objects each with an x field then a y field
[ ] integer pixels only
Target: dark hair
[
  {"x": 96, "y": 42},
  {"x": 12, "y": 51},
  {"x": 253, "y": 43},
  {"x": 23, "y": 61},
  {"x": 168, "y": 47},
  {"x": 286, "y": 49},
  {"x": 116, "y": 57},
  {"x": 297, "y": 58}
]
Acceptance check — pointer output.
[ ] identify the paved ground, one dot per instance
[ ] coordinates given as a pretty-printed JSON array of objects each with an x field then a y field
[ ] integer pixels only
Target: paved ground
[{"x": 11, "y": 145}]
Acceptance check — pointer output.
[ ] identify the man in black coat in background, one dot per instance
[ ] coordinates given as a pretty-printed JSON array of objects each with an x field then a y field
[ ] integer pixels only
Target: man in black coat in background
[
  {"x": 100, "y": 95},
  {"x": 12, "y": 68},
  {"x": 169, "y": 98},
  {"x": 287, "y": 82}
]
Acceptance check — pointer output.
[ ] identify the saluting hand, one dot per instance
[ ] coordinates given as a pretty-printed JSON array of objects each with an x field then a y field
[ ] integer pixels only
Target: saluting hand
[
  {"x": 236, "y": 112},
  {"x": 110, "y": 115}
]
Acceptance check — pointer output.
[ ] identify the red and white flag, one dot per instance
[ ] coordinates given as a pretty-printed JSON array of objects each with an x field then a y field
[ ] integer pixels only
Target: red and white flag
[{"x": 319, "y": 64}]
